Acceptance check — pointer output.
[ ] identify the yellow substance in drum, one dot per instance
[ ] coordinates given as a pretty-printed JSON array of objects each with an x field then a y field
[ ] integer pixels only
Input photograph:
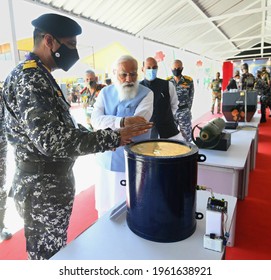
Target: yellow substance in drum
[{"x": 160, "y": 149}]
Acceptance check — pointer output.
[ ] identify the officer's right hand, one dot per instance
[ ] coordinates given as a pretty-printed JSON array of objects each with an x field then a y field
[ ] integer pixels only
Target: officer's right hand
[
  {"x": 128, "y": 132},
  {"x": 134, "y": 120}
]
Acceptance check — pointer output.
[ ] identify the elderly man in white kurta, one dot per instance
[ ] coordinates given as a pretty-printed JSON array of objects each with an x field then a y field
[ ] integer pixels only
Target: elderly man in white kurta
[{"x": 124, "y": 103}]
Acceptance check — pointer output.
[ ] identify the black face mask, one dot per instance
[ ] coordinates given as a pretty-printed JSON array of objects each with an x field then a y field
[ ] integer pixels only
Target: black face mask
[
  {"x": 65, "y": 57},
  {"x": 177, "y": 72},
  {"x": 92, "y": 83}
]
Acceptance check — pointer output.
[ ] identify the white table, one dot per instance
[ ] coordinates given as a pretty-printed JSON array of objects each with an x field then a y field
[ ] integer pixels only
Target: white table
[
  {"x": 111, "y": 239},
  {"x": 252, "y": 126},
  {"x": 227, "y": 172}
]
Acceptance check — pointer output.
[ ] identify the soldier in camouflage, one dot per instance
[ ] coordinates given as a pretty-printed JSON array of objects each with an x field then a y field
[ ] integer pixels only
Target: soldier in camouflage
[
  {"x": 185, "y": 91},
  {"x": 266, "y": 76},
  {"x": 216, "y": 86},
  {"x": 46, "y": 140},
  {"x": 4, "y": 233},
  {"x": 247, "y": 79},
  {"x": 267, "y": 98},
  {"x": 89, "y": 94},
  {"x": 261, "y": 85}
]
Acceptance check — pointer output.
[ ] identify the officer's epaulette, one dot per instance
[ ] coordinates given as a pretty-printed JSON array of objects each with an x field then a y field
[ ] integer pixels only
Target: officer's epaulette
[
  {"x": 169, "y": 78},
  {"x": 30, "y": 64},
  {"x": 100, "y": 86},
  {"x": 188, "y": 78}
]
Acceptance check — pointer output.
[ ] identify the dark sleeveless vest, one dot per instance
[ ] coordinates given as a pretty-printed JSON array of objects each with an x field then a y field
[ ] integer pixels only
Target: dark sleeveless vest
[{"x": 162, "y": 114}]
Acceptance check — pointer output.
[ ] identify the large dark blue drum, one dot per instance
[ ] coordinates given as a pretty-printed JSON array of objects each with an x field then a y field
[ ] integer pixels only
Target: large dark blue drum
[{"x": 161, "y": 189}]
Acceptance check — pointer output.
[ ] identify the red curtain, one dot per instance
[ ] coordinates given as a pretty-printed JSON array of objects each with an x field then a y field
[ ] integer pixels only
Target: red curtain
[{"x": 227, "y": 73}]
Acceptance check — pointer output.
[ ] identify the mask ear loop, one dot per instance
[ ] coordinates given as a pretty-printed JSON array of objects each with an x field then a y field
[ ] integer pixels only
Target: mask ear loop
[
  {"x": 57, "y": 40},
  {"x": 57, "y": 54}
]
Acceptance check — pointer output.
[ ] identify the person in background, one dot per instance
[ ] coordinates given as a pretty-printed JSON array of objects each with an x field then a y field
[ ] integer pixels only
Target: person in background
[
  {"x": 90, "y": 78},
  {"x": 247, "y": 79},
  {"x": 215, "y": 86},
  {"x": 46, "y": 139},
  {"x": 261, "y": 85},
  {"x": 121, "y": 104},
  {"x": 165, "y": 102},
  {"x": 77, "y": 90},
  {"x": 89, "y": 94},
  {"x": 266, "y": 76},
  {"x": 5, "y": 234},
  {"x": 185, "y": 91},
  {"x": 234, "y": 83},
  {"x": 73, "y": 94},
  {"x": 69, "y": 93},
  {"x": 108, "y": 81}
]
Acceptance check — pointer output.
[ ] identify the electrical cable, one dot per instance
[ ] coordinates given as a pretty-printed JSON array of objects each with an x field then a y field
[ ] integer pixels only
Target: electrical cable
[{"x": 204, "y": 188}]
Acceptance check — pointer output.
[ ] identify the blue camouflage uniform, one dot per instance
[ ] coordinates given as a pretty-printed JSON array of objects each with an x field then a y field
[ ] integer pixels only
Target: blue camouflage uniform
[
  {"x": 3, "y": 155},
  {"x": 46, "y": 142},
  {"x": 183, "y": 116}
]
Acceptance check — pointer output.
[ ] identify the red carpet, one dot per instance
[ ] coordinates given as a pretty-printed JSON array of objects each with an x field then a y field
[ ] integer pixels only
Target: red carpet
[
  {"x": 253, "y": 227},
  {"x": 84, "y": 214},
  {"x": 14, "y": 249}
]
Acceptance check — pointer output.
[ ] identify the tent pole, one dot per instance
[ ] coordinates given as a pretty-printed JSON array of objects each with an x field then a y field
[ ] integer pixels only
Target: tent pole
[{"x": 14, "y": 49}]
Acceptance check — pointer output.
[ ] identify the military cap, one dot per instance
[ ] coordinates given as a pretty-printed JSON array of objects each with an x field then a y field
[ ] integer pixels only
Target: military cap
[{"x": 57, "y": 25}]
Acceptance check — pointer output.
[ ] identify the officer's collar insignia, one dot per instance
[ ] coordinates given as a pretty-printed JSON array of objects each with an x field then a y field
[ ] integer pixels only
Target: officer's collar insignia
[{"x": 30, "y": 64}]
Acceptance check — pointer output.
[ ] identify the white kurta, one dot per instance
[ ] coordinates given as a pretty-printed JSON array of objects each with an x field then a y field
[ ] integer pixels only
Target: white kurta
[{"x": 108, "y": 188}]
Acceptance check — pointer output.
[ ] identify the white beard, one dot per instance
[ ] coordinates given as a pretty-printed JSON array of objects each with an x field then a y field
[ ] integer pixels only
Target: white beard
[{"x": 127, "y": 90}]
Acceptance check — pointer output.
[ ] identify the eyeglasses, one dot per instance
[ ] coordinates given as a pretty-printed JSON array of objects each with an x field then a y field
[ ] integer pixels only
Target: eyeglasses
[{"x": 123, "y": 75}]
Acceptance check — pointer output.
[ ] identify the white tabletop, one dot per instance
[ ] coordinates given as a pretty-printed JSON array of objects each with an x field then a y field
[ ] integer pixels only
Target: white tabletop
[{"x": 111, "y": 239}]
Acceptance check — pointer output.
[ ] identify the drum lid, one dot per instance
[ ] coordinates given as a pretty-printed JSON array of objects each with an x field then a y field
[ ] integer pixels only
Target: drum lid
[{"x": 160, "y": 149}]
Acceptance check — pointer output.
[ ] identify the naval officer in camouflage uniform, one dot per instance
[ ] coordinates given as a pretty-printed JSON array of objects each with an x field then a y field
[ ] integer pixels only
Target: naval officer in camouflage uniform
[
  {"x": 4, "y": 233},
  {"x": 185, "y": 91},
  {"x": 45, "y": 138}
]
